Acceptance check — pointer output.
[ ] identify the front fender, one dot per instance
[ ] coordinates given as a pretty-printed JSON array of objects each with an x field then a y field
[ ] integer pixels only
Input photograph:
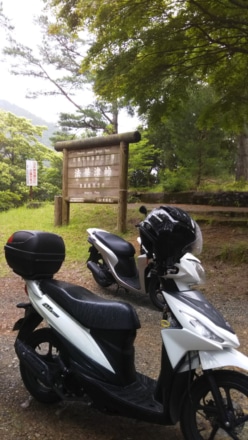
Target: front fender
[
  {"x": 28, "y": 323},
  {"x": 228, "y": 357}
]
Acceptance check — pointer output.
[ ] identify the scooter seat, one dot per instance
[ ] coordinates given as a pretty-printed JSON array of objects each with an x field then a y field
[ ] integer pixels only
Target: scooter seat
[
  {"x": 117, "y": 244},
  {"x": 92, "y": 311}
]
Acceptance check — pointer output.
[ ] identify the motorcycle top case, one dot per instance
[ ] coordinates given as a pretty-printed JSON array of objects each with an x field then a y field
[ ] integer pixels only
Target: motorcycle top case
[{"x": 35, "y": 254}]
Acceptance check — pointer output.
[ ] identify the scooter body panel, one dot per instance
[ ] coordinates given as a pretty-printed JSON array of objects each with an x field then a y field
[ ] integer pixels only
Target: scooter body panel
[
  {"x": 229, "y": 357},
  {"x": 66, "y": 326},
  {"x": 135, "y": 283}
]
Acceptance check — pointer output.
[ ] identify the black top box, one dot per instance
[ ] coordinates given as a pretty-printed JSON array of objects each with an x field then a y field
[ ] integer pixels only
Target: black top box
[{"x": 35, "y": 254}]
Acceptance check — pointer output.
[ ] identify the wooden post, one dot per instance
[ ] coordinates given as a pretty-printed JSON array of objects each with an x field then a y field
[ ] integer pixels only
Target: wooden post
[
  {"x": 122, "y": 211},
  {"x": 65, "y": 203},
  {"x": 57, "y": 210}
]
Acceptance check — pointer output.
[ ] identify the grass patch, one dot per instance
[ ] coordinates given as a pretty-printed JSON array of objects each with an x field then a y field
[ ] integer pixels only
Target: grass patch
[
  {"x": 236, "y": 253},
  {"x": 82, "y": 216}
]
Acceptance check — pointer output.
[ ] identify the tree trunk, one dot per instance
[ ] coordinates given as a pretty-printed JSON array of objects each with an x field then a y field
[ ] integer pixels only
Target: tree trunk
[
  {"x": 115, "y": 117},
  {"x": 242, "y": 157}
]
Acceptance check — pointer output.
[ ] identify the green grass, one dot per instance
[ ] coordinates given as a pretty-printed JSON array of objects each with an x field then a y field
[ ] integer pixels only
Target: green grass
[
  {"x": 82, "y": 216},
  {"x": 237, "y": 253}
]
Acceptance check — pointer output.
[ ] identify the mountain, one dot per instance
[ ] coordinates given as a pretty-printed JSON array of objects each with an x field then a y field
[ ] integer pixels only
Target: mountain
[{"x": 18, "y": 111}]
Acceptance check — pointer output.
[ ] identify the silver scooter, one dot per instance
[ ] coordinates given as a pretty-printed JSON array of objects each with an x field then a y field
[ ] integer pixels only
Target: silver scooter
[{"x": 112, "y": 259}]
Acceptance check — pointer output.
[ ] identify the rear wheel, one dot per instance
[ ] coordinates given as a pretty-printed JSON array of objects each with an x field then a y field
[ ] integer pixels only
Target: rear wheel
[
  {"x": 46, "y": 345},
  {"x": 201, "y": 419},
  {"x": 103, "y": 277}
]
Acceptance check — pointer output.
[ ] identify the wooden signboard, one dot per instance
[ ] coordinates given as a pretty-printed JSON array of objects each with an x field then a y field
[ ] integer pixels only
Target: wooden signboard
[
  {"x": 93, "y": 175},
  {"x": 95, "y": 170}
]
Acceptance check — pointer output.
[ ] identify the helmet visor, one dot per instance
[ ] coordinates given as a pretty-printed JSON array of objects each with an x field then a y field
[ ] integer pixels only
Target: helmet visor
[{"x": 195, "y": 247}]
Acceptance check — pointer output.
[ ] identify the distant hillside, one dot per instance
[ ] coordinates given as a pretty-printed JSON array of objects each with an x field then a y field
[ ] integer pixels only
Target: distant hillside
[{"x": 18, "y": 111}]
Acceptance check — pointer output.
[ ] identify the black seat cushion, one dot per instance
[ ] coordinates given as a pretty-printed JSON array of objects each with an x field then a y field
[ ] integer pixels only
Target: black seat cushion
[{"x": 91, "y": 310}]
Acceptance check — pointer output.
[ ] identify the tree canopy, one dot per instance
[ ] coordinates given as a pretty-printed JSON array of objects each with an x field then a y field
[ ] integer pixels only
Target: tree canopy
[
  {"x": 157, "y": 56},
  {"x": 149, "y": 51}
]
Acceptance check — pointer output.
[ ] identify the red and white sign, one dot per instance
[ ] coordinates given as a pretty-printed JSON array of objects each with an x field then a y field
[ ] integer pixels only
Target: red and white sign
[{"x": 31, "y": 173}]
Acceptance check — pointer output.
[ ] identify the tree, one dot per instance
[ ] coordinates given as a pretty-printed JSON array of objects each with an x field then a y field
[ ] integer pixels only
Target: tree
[
  {"x": 150, "y": 52},
  {"x": 142, "y": 160},
  {"x": 193, "y": 152},
  {"x": 57, "y": 61},
  {"x": 18, "y": 143}
]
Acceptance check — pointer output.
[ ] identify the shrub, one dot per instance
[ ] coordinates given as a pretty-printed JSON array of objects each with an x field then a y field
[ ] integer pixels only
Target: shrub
[
  {"x": 9, "y": 200},
  {"x": 176, "y": 181}
]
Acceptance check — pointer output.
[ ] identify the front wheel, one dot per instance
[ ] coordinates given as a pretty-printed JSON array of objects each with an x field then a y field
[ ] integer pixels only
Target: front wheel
[
  {"x": 155, "y": 292},
  {"x": 200, "y": 417}
]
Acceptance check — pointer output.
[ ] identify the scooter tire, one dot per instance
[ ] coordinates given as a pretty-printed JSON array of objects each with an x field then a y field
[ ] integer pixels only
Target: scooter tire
[
  {"x": 102, "y": 283},
  {"x": 155, "y": 293},
  {"x": 45, "y": 343},
  {"x": 200, "y": 418},
  {"x": 104, "y": 279}
]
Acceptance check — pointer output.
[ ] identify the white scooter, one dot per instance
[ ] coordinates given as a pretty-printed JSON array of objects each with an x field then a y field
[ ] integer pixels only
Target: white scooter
[
  {"x": 112, "y": 259},
  {"x": 86, "y": 351}
]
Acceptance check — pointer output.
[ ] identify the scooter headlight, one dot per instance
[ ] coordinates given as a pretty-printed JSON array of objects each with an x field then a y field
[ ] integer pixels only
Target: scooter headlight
[{"x": 202, "y": 330}]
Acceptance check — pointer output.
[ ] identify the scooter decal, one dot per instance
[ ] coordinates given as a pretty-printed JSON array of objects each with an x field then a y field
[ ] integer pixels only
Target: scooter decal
[{"x": 50, "y": 309}]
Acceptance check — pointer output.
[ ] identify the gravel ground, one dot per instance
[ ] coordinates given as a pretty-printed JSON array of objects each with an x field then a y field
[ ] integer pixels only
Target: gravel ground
[{"x": 24, "y": 418}]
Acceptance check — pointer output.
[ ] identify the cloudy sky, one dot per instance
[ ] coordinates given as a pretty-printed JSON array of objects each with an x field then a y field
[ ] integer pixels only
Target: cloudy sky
[{"x": 14, "y": 88}]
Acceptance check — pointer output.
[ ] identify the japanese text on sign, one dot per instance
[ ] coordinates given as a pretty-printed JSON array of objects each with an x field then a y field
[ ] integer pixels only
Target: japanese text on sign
[
  {"x": 31, "y": 173},
  {"x": 93, "y": 174}
]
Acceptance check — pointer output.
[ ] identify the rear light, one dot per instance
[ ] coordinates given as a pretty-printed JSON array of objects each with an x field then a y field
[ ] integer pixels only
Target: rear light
[{"x": 10, "y": 239}]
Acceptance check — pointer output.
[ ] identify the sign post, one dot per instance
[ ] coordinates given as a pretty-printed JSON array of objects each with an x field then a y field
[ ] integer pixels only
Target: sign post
[{"x": 31, "y": 175}]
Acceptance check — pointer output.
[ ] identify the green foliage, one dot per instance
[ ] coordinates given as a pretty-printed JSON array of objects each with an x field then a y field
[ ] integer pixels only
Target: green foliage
[
  {"x": 176, "y": 181},
  {"x": 18, "y": 143},
  {"x": 142, "y": 161},
  {"x": 165, "y": 45},
  {"x": 93, "y": 118},
  {"x": 237, "y": 253},
  {"x": 225, "y": 183},
  {"x": 9, "y": 200},
  {"x": 62, "y": 135},
  {"x": 151, "y": 52},
  {"x": 188, "y": 148}
]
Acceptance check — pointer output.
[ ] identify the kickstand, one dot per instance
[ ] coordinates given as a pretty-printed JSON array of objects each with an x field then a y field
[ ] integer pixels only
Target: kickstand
[{"x": 119, "y": 288}]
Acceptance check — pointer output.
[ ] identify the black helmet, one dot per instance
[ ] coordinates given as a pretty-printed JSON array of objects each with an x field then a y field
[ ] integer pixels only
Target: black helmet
[{"x": 169, "y": 232}]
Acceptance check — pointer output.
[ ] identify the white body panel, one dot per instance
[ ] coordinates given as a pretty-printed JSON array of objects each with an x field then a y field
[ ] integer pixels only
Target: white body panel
[
  {"x": 65, "y": 325},
  {"x": 212, "y": 353},
  {"x": 178, "y": 342},
  {"x": 111, "y": 260},
  {"x": 226, "y": 358},
  {"x": 183, "y": 312}
]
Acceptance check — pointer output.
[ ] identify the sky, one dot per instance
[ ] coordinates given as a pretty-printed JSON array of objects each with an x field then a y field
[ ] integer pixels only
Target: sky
[{"x": 14, "y": 88}]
